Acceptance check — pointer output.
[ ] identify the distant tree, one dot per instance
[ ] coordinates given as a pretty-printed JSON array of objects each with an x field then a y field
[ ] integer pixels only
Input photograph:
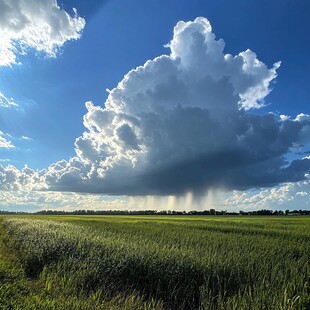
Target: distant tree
[{"x": 212, "y": 211}]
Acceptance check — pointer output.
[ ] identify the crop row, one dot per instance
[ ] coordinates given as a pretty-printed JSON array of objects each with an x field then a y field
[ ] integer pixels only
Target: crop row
[{"x": 184, "y": 264}]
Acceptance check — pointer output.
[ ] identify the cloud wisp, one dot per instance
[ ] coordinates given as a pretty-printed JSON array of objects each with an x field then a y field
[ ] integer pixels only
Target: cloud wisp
[
  {"x": 6, "y": 102},
  {"x": 183, "y": 122}
]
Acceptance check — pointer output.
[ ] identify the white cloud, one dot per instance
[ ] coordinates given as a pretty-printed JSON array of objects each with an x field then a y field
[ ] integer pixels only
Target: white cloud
[
  {"x": 195, "y": 46},
  {"x": 39, "y": 25},
  {"x": 25, "y": 179},
  {"x": 284, "y": 117},
  {"x": 30, "y": 24},
  {"x": 6, "y": 102},
  {"x": 180, "y": 123},
  {"x": 286, "y": 196},
  {"x": 302, "y": 194},
  {"x": 4, "y": 142},
  {"x": 35, "y": 201},
  {"x": 302, "y": 117}
]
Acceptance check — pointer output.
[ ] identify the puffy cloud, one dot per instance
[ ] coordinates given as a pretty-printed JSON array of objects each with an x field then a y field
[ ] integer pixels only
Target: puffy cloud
[
  {"x": 44, "y": 27},
  {"x": 184, "y": 122},
  {"x": 22, "y": 200},
  {"x": 198, "y": 50},
  {"x": 181, "y": 123},
  {"x": 39, "y": 25},
  {"x": 286, "y": 196},
  {"x": 4, "y": 143},
  {"x": 26, "y": 179}
]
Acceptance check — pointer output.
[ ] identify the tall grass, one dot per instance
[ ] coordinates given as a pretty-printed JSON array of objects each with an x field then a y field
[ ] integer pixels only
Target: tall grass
[{"x": 180, "y": 264}]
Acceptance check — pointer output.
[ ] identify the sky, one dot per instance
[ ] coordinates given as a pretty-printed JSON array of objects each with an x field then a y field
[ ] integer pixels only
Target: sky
[{"x": 154, "y": 104}]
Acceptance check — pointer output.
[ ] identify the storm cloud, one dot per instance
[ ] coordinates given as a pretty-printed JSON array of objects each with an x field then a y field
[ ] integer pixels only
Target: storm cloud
[{"x": 184, "y": 122}]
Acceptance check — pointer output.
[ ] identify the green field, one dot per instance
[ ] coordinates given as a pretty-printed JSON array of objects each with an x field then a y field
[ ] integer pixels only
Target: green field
[{"x": 154, "y": 262}]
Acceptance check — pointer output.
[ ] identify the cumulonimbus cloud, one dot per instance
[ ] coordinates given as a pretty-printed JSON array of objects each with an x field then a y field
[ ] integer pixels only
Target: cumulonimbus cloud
[
  {"x": 184, "y": 122},
  {"x": 39, "y": 25}
]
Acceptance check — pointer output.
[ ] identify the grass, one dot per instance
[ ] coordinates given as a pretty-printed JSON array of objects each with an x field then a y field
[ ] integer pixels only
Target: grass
[{"x": 157, "y": 262}]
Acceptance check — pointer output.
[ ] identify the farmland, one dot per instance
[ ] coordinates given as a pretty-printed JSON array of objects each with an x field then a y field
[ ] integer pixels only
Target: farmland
[{"x": 154, "y": 262}]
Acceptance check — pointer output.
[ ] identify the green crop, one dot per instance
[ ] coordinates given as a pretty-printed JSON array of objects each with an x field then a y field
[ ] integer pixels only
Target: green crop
[{"x": 170, "y": 263}]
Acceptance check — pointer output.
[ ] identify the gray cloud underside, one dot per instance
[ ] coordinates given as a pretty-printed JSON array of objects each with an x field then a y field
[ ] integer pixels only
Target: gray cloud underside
[
  {"x": 244, "y": 161},
  {"x": 183, "y": 122}
]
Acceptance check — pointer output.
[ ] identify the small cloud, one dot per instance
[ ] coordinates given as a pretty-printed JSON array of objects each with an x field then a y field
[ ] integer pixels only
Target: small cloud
[
  {"x": 7, "y": 102},
  {"x": 6, "y": 144},
  {"x": 3, "y": 160},
  {"x": 302, "y": 194},
  {"x": 284, "y": 117},
  {"x": 302, "y": 117},
  {"x": 26, "y": 138}
]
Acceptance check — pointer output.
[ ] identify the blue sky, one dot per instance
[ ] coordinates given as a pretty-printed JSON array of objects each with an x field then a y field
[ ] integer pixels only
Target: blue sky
[{"x": 117, "y": 37}]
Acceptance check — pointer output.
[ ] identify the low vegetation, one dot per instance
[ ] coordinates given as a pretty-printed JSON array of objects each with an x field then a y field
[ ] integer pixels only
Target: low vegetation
[{"x": 155, "y": 262}]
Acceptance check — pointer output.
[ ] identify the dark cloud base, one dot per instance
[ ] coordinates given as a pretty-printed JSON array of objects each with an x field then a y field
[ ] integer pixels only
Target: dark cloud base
[{"x": 183, "y": 122}]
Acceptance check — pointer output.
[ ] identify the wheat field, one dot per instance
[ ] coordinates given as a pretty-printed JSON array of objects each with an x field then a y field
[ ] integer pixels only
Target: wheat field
[{"x": 154, "y": 262}]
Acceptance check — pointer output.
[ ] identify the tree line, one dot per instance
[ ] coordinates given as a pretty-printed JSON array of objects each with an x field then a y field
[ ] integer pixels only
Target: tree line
[{"x": 165, "y": 212}]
